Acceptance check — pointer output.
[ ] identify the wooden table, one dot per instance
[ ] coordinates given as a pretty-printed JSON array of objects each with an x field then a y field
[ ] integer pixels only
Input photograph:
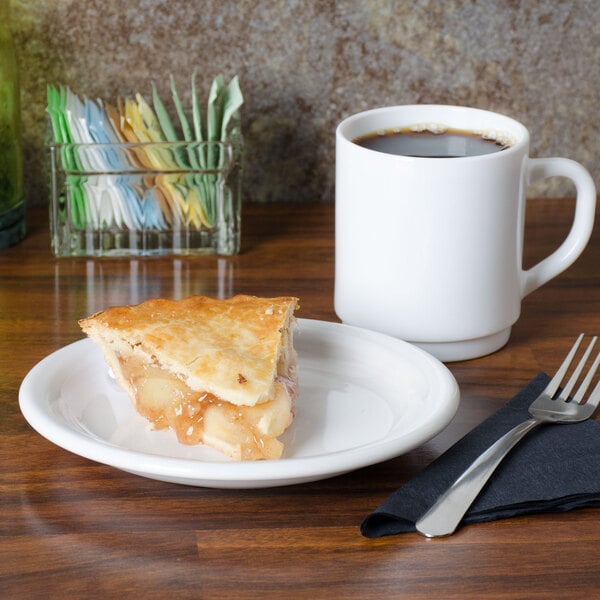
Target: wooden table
[{"x": 71, "y": 528}]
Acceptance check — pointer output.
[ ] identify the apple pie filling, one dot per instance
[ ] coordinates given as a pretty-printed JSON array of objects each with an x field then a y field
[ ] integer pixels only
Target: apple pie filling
[{"x": 241, "y": 432}]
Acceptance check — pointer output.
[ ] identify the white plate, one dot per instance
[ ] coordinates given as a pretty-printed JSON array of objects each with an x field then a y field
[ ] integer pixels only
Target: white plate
[{"x": 364, "y": 398}]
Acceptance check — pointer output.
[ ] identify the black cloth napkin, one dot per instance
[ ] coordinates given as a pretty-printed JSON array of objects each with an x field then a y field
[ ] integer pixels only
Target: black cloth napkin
[{"x": 554, "y": 468}]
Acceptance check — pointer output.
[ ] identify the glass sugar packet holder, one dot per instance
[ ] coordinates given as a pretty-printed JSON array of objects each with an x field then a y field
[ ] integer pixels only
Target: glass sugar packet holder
[{"x": 146, "y": 198}]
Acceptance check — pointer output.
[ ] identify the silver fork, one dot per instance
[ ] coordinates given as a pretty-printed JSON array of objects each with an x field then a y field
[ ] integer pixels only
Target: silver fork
[{"x": 445, "y": 515}]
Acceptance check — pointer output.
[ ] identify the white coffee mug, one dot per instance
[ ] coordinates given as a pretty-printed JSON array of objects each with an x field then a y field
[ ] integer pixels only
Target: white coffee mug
[{"x": 430, "y": 249}]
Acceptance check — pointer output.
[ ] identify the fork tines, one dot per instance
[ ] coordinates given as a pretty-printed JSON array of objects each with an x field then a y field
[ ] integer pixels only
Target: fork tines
[{"x": 565, "y": 392}]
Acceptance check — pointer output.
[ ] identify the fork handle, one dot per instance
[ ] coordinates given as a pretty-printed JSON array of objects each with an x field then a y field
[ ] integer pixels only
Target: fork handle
[{"x": 445, "y": 515}]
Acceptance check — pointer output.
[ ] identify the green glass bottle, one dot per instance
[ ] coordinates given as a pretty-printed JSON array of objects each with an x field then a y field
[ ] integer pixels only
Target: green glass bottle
[{"x": 12, "y": 197}]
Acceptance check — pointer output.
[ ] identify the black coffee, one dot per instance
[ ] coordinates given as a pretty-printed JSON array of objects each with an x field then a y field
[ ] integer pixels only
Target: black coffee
[{"x": 451, "y": 143}]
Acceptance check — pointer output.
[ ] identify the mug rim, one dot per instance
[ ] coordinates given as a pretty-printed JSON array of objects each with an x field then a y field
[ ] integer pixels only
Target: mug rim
[{"x": 518, "y": 132}]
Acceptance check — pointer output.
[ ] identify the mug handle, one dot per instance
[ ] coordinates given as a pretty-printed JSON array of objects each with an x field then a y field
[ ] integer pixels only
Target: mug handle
[{"x": 581, "y": 229}]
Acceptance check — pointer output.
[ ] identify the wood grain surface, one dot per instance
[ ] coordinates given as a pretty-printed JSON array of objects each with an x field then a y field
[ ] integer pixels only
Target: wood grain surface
[{"x": 72, "y": 528}]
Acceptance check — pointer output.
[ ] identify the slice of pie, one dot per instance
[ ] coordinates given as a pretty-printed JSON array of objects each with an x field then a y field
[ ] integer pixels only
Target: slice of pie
[{"x": 218, "y": 372}]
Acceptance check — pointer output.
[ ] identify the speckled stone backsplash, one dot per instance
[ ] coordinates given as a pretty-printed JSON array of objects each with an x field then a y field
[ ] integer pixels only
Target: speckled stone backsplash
[{"x": 306, "y": 64}]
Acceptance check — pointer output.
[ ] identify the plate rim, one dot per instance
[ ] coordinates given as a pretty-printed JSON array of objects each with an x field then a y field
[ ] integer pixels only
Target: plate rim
[{"x": 245, "y": 474}]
